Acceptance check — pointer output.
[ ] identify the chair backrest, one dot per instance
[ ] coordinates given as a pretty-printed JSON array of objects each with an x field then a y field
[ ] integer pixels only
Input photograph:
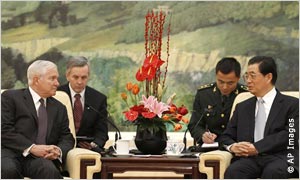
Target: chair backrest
[
  {"x": 246, "y": 95},
  {"x": 65, "y": 100}
]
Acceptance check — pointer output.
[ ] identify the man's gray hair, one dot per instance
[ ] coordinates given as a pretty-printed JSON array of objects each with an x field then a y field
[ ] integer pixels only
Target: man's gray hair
[
  {"x": 77, "y": 61},
  {"x": 39, "y": 68}
]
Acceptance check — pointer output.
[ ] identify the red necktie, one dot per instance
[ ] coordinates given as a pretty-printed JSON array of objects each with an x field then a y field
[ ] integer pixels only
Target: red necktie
[
  {"x": 42, "y": 123},
  {"x": 78, "y": 110}
]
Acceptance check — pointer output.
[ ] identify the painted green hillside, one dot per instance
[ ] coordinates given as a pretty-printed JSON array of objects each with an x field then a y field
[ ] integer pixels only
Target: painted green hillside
[{"x": 111, "y": 35}]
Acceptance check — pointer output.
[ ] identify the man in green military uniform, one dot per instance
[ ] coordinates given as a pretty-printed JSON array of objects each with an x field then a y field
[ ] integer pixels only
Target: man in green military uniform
[{"x": 213, "y": 102}]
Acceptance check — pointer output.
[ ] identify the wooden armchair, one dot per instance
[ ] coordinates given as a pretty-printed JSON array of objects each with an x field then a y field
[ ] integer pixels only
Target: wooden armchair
[
  {"x": 214, "y": 163},
  {"x": 80, "y": 163}
]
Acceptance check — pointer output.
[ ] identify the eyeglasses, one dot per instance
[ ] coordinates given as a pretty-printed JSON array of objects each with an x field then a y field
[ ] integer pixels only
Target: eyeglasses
[{"x": 251, "y": 76}]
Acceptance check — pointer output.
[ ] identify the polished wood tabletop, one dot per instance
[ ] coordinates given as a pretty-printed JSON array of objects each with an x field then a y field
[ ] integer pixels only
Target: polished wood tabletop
[{"x": 188, "y": 166}]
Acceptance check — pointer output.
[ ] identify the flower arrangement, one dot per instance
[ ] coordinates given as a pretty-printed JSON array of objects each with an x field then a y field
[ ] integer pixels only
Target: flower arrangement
[{"x": 150, "y": 111}]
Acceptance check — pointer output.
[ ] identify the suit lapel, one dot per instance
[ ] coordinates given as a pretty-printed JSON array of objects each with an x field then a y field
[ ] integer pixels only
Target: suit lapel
[
  {"x": 275, "y": 109},
  {"x": 251, "y": 116},
  {"x": 29, "y": 101},
  {"x": 85, "y": 110}
]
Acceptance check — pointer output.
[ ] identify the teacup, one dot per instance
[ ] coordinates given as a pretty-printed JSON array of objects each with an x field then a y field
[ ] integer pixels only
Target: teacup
[
  {"x": 174, "y": 147},
  {"x": 122, "y": 146}
]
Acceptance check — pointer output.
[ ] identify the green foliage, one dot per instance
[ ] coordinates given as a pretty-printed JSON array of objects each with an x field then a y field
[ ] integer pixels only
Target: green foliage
[
  {"x": 19, "y": 85},
  {"x": 109, "y": 76},
  {"x": 8, "y": 77},
  {"x": 291, "y": 9},
  {"x": 133, "y": 33},
  {"x": 13, "y": 67}
]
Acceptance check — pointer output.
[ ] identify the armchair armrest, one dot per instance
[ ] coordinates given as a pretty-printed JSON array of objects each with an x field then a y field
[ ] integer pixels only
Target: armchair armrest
[
  {"x": 82, "y": 163},
  {"x": 214, "y": 163}
]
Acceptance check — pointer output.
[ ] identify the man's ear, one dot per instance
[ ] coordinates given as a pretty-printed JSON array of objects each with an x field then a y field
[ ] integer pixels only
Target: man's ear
[
  {"x": 269, "y": 77},
  {"x": 35, "y": 79},
  {"x": 67, "y": 75}
]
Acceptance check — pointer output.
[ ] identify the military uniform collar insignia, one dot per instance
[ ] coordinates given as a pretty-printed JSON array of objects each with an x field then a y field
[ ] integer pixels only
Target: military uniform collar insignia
[{"x": 236, "y": 91}]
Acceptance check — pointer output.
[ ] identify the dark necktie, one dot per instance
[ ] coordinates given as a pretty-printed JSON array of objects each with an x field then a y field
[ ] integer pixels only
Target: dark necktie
[
  {"x": 260, "y": 121},
  {"x": 78, "y": 110},
  {"x": 42, "y": 123}
]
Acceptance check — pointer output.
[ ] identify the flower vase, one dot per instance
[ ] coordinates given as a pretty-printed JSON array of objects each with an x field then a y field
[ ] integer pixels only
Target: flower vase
[{"x": 150, "y": 141}]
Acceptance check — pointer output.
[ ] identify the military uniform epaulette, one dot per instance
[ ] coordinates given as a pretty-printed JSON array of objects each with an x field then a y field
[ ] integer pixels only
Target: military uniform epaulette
[
  {"x": 241, "y": 86},
  {"x": 206, "y": 86}
]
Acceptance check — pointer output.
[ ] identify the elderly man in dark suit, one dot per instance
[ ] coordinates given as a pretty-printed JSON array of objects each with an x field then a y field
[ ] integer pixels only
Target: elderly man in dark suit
[
  {"x": 35, "y": 134},
  {"x": 89, "y": 105},
  {"x": 263, "y": 132}
]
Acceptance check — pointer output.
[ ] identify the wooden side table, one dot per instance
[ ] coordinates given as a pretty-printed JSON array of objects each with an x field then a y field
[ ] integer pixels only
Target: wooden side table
[{"x": 187, "y": 166}]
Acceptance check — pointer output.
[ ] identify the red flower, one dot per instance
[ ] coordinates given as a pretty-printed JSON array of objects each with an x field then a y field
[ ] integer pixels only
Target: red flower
[
  {"x": 139, "y": 109},
  {"x": 131, "y": 115},
  {"x": 153, "y": 61},
  {"x": 148, "y": 115},
  {"x": 150, "y": 73},
  {"x": 141, "y": 74},
  {"x": 149, "y": 68},
  {"x": 182, "y": 110}
]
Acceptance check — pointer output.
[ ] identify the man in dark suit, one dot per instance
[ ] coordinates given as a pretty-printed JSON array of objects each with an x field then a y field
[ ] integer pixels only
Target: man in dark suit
[
  {"x": 92, "y": 120},
  {"x": 35, "y": 134},
  {"x": 263, "y": 132},
  {"x": 213, "y": 102}
]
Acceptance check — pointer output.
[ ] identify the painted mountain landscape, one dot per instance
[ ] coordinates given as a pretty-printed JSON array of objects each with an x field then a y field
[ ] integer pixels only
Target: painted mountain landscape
[{"x": 111, "y": 35}]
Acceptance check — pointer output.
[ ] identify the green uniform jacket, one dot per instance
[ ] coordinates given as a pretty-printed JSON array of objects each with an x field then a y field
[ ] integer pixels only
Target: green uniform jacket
[{"x": 212, "y": 110}]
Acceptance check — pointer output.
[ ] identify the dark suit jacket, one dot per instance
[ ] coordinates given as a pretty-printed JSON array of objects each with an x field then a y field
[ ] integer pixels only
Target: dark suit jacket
[
  {"x": 283, "y": 119},
  {"x": 93, "y": 124},
  {"x": 19, "y": 122}
]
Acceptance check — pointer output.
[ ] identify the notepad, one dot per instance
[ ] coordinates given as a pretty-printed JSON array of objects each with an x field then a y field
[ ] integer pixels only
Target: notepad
[{"x": 213, "y": 145}]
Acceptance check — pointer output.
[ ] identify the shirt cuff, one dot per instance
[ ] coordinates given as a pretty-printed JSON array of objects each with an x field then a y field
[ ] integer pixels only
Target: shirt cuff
[
  {"x": 60, "y": 157},
  {"x": 228, "y": 148},
  {"x": 26, "y": 152}
]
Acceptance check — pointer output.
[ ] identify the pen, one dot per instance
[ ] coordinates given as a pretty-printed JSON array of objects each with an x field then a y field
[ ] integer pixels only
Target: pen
[{"x": 208, "y": 131}]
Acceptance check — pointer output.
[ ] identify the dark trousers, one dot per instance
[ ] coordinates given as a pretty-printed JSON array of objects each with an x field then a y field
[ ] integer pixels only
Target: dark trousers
[
  {"x": 17, "y": 167},
  {"x": 265, "y": 167}
]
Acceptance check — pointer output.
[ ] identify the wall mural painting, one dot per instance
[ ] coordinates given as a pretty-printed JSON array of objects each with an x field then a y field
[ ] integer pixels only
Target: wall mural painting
[{"x": 111, "y": 36}]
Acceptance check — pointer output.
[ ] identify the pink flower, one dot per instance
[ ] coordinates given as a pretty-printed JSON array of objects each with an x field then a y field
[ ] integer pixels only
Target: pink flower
[
  {"x": 148, "y": 102},
  {"x": 158, "y": 108}
]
